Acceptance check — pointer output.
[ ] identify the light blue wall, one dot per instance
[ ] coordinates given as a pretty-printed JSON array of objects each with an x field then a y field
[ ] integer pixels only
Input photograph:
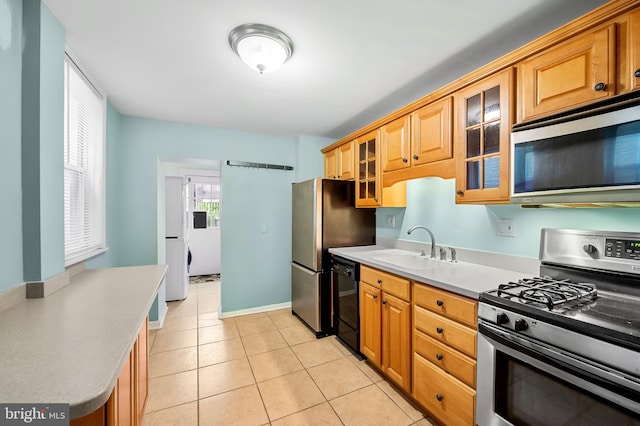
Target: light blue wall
[
  {"x": 431, "y": 202},
  {"x": 309, "y": 159},
  {"x": 255, "y": 216},
  {"x": 10, "y": 145},
  {"x": 42, "y": 143}
]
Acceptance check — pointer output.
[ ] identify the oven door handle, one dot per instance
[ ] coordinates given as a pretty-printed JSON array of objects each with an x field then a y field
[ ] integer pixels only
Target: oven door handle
[{"x": 594, "y": 375}]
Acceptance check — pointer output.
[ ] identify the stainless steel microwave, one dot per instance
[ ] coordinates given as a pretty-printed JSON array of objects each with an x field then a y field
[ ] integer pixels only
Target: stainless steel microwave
[{"x": 586, "y": 157}]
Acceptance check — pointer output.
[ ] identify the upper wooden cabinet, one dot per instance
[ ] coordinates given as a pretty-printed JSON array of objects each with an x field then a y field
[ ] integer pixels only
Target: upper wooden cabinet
[
  {"x": 432, "y": 134},
  {"x": 574, "y": 73},
  {"x": 331, "y": 164},
  {"x": 484, "y": 117},
  {"x": 339, "y": 163},
  {"x": 629, "y": 61},
  {"x": 369, "y": 191},
  {"x": 368, "y": 185},
  {"x": 395, "y": 144},
  {"x": 419, "y": 144}
]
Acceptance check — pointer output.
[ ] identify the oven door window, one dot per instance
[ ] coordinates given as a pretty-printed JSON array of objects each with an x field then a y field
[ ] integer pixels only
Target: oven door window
[{"x": 526, "y": 396}]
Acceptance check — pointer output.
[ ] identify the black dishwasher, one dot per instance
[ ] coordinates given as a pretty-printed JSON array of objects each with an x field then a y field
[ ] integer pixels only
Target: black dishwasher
[{"x": 345, "y": 275}]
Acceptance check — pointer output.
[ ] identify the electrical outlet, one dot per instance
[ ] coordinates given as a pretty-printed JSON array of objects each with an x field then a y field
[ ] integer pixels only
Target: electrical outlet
[
  {"x": 391, "y": 221},
  {"x": 506, "y": 228}
]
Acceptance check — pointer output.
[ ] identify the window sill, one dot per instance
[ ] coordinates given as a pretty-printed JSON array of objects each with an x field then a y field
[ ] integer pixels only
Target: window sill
[{"x": 84, "y": 256}]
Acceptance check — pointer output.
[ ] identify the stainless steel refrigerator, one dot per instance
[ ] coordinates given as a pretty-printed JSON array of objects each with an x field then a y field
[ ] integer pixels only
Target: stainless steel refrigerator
[{"x": 323, "y": 216}]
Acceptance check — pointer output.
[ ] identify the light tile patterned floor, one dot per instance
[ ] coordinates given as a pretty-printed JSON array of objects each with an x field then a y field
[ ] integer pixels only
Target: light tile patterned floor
[{"x": 261, "y": 369}]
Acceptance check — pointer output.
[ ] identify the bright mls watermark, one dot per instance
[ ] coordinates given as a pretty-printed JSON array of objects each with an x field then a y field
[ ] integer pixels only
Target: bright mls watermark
[{"x": 34, "y": 414}]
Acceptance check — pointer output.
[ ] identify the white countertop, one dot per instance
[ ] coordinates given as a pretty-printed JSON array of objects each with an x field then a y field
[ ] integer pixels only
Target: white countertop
[
  {"x": 70, "y": 346},
  {"x": 467, "y": 279}
]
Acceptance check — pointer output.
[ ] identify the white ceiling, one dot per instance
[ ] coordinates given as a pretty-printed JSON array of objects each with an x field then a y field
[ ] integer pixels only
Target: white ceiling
[{"x": 354, "y": 61}]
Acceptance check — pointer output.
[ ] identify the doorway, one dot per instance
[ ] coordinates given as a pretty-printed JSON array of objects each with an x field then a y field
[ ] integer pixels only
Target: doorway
[{"x": 203, "y": 221}]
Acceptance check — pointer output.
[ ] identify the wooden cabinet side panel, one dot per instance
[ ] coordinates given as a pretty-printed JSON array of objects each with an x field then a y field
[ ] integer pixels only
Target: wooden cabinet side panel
[
  {"x": 95, "y": 418},
  {"x": 634, "y": 46},
  {"x": 396, "y": 340},
  {"x": 142, "y": 371},
  {"x": 370, "y": 323},
  {"x": 432, "y": 132}
]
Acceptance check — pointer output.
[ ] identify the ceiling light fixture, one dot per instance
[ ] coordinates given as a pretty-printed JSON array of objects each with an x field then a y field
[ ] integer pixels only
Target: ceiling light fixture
[{"x": 261, "y": 47}]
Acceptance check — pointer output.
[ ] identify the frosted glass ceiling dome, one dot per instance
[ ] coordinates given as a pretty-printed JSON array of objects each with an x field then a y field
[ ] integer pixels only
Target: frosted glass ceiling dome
[{"x": 261, "y": 47}]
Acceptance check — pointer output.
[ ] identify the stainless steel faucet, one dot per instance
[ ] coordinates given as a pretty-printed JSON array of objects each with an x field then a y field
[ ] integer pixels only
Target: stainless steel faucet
[{"x": 433, "y": 239}]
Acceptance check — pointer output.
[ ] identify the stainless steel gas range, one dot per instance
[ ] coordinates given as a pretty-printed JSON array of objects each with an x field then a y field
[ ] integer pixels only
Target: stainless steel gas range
[{"x": 564, "y": 348}]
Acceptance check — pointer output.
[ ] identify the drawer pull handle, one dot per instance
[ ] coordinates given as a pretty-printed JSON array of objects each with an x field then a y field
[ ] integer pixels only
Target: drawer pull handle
[
  {"x": 439, "y": 397},
  {"x": 379, "y": 281},
  {"x": 439, "y": 302},
  {"x": 439, "y": 330},
  {"x": 439, "y": 357},
  {"x": 384, "y": 302}
]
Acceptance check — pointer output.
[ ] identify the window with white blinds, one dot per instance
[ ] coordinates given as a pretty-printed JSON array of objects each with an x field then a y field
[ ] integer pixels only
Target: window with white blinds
[{"x": 84, "y": 158}]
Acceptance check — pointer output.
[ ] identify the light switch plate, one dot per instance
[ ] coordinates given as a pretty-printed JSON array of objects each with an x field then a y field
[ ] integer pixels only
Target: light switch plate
[{"x": 506, "y": 228}]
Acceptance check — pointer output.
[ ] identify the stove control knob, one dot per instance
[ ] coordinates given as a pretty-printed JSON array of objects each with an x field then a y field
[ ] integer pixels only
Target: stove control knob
[
  {"x": 502, "y": 318},
  {"x": 590, "y": 248},
  {"x": 520, "y": 325}
]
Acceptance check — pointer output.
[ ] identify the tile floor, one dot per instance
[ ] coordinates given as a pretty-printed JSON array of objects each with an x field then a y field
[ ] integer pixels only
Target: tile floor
[{"x": 261, "y": 369}]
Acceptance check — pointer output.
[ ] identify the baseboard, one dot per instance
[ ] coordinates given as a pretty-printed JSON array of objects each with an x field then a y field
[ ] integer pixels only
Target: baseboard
[
  {"x": 255, "y": 310},
  {"x": 157, "y": 325}
]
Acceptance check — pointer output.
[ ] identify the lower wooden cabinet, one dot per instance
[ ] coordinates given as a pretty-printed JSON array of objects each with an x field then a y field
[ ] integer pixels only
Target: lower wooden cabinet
[
  {"x": 370, "y": 324},
  {"x": 446, "y": 398},
  {"x": 385, "y": 324},
  {"x": 125, "y": 406},
  {"x": 444, "y": 354},
  {"x": 396, "y": 340}
]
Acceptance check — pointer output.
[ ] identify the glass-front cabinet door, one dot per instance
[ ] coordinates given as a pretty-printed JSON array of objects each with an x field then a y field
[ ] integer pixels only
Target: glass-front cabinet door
[
  {"x": 368, "y": 183},
  {"x": 483, "y": 125}
]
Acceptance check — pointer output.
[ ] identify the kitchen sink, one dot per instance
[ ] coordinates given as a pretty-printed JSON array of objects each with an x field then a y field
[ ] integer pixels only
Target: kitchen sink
[{"x": 409, "y": 261}]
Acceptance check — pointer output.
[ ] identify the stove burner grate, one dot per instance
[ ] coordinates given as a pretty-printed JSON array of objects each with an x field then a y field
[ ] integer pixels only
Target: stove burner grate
[{"x": 547, "y": 291}]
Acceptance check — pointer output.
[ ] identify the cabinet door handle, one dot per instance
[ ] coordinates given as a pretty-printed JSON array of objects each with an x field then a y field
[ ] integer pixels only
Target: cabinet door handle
[
  {"x": 637, "y": 73},
  {"x": 439, "y": 302},
  {"x": 404, "y": 159},
  {"x": 384, "y": 302},
  {"x": 599, "y": 87},
  {"x": 379, "y": 281},
  {"x": 375, "y": 199},
  {"x": 375, "y": 296},
  {"x": 439, "y": 357},
  {"x": 459, "y": 192},
  {"x": 415, "y": 156},
  {"x": 439, "y": 330},
  {"x": 439, "y": 397}
]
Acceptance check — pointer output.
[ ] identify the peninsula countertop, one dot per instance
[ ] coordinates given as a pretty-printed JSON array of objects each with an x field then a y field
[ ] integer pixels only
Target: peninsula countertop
[
  {"x": 70, "y": 346},
  {"x": 467, "y": 279}
]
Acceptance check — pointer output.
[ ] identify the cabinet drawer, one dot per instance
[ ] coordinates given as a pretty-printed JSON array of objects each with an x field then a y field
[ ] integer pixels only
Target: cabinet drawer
[
  {"x": 450, "y": 360},
  {"x": 447, "y": 304},
  {"x": 446, "y": 331},
  {"x": 445, "y": 397},
  {"x": 389, "y": 283}
]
